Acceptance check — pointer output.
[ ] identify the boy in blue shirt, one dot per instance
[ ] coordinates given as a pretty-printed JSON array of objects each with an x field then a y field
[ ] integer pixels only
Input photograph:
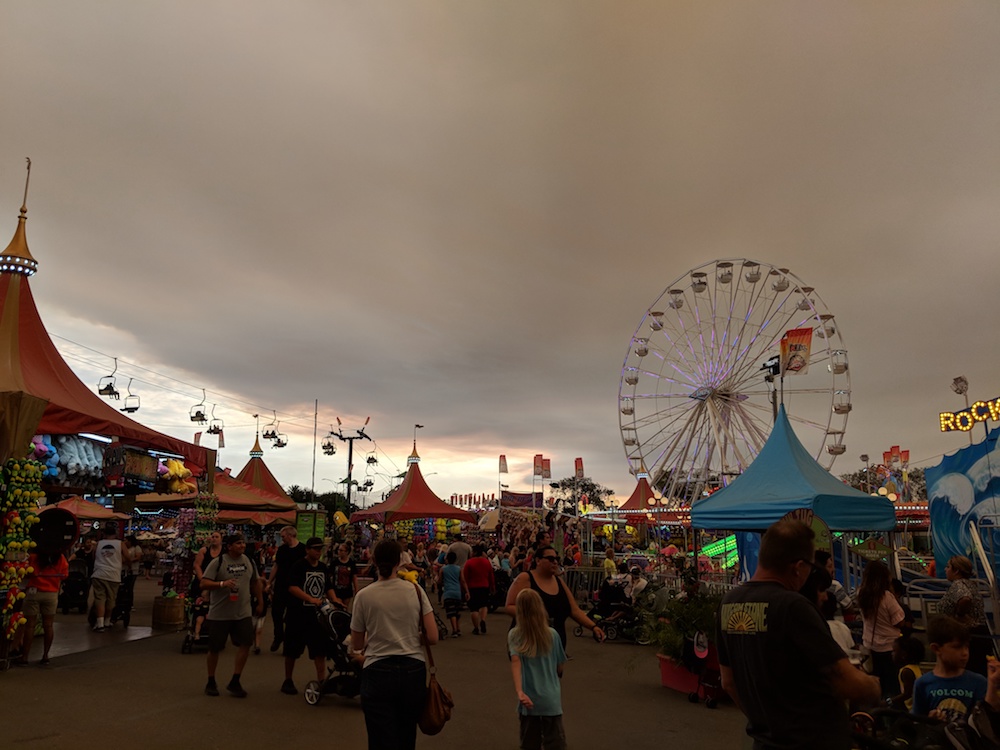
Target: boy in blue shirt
[
  {"x": 451, "y": 582},
  {"x": 949, "y": 691}
]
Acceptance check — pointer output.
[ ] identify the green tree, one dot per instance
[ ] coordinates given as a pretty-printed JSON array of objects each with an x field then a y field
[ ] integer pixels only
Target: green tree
[
  {"x": 567, "y": 492},
  {"x": 869, "y": 481}
]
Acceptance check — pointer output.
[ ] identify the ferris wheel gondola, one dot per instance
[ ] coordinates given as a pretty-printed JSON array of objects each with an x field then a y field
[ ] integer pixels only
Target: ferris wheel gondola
[{"x": 698, "y": 390}]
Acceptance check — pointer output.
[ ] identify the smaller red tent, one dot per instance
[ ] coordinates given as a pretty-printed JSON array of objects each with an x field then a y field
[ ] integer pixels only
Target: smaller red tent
[
  {"x": 412, "y": 499},
  {"x": 232, "y": 493},
  {"x": 85, "y": 510}
]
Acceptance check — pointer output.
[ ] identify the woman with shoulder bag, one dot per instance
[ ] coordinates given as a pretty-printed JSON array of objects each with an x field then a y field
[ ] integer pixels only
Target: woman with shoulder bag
[
  {"x": 386, "y": 625},
  {"x": 881, "y": 616}
]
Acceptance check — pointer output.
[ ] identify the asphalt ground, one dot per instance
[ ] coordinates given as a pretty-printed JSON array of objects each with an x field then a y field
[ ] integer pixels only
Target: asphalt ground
[{"x": 144, "y": 693}]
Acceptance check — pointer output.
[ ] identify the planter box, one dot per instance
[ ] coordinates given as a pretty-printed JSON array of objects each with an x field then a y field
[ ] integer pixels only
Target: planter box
[{"x": 676, "y": 676}]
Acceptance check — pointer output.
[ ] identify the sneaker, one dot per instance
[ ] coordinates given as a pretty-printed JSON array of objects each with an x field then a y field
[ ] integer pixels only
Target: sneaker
[
  {"x": 99, "y": 628},
  {"x": 482, "y": 628},
  {"x": 211, "y": 688},
  {"x": 475, "y": 631},
  {"x": 275, "y": 645},
  {"x": 455, "y": 634},
  {"x": 256, "y": 650},
  {"x": 236, "y": 690},
  {"x": 44, "y": 662},
  {"x": 288, "y": 688}
]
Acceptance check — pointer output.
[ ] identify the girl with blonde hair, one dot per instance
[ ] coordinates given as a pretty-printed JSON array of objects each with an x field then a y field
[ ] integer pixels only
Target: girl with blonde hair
[{"x": 536, "y": 659}]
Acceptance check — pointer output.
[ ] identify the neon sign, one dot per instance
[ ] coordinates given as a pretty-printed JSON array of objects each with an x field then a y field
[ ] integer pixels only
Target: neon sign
[{"x": 965, "y": 420}]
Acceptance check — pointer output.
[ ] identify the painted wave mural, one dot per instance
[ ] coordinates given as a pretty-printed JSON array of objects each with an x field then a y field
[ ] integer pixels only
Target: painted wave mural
[{"x": 965, "y": 487}]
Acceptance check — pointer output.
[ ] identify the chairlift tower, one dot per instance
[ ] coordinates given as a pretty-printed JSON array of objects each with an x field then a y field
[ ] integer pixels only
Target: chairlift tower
[{"x": 349, "y": 439}]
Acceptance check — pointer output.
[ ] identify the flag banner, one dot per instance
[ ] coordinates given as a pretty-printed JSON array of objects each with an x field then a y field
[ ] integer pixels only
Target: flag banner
[
  {"x": 197, "y": 438},
  {"x": 546, "y": 468},
  {"x": 520, "y": 499},
  {"x": 222, "y": 439},
  {"x": 538, "y": 464},
  {"x": 795, "y": 348},
  {"x": 579, "y": 468},
  {"x": 895, "y": 453},
  {"x": 887, "y": 457},
  {"x": 503, "y": 464},
  {"x": 904, "y": 456}
]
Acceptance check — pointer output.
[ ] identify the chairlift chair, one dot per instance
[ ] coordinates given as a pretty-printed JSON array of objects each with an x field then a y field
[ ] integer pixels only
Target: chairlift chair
[
  {"x": 280, "y": 438},
  {"x": 198, "y": 411},
  {"x": 270, "y": 431},
  {"x": 131, "y": 405},
  {"x": 329, "y": 444},
  {"x": 106, "y": 385},
  {"x": 215, "y": 428}
]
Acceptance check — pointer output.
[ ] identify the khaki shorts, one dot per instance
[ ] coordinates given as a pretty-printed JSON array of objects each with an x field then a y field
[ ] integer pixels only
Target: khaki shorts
[
  {"x": 105, "y": 590},
  {"x": 41, "y": 603}
]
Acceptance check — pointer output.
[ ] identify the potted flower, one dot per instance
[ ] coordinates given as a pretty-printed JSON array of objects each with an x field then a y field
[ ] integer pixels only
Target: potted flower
[{"x": 684, "y": 634}]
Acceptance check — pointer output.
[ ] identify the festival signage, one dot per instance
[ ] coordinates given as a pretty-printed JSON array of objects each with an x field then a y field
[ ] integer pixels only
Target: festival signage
[
  {"x": 966, "y": 419},
  {"x": 796, "y": 345},
  {"x": 822, "y": 539},
  {"x": 871, "y": 549}
]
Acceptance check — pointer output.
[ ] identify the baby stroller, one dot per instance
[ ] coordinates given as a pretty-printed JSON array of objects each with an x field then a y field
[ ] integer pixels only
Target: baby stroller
[
  {"x": 343, "y": 671},
  {"x": 75, "y": 588},
  {"x": 125, "y": 601},
  {"x": 194, "y": 608},
  {"x": 499, "y": 597},
  {"x": 616, "y": 616}
]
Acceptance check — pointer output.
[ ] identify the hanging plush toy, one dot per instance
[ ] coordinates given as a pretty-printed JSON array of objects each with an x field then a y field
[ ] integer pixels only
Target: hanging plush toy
[{"x": 177, "y": 476}]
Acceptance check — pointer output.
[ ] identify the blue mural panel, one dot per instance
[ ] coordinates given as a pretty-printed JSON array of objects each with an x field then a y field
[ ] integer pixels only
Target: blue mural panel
[{"x": 964, "y": 487}]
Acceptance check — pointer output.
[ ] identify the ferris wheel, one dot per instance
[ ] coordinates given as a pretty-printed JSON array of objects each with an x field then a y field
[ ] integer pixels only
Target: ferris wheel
[{"x": 700, "y": 388}]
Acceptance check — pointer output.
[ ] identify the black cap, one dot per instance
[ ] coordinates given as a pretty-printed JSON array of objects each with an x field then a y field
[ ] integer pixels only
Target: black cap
[{"x": 314, "y": 542}]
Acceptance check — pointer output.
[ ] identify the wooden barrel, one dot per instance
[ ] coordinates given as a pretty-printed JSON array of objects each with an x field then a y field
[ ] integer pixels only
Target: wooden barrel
[{"x": 168, "y": 613}]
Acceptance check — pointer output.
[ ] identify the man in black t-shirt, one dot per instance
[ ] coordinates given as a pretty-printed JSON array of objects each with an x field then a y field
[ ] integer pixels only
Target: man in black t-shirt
[
  {"x": 778, "y": 660},
  {"x": 343, "y": 574},
  {"x": 309, "y": 586},
  {"x": 289, "y": 553}
]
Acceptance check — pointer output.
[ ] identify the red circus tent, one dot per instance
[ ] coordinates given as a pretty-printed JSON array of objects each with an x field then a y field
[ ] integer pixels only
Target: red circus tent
[
  {"x": 256, "y": 473},
  {"x": 232, "y": 493},
  {"x": 261, "y": 518},
  {"x": 638, "y": 501},
  {"x": 412, "y": 499},
  {"x": 39, "y": 393}
]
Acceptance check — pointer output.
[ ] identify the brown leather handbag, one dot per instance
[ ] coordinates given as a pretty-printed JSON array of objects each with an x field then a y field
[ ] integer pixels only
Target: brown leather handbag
[{"x": 438, "y": 704}]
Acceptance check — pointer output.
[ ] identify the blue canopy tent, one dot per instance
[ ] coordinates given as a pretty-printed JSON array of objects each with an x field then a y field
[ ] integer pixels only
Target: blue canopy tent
[{"x": 784, "y": 477}]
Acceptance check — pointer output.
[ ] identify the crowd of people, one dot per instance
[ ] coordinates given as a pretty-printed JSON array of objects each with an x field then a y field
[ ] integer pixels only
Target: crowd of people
[
  {"x": 392, "y": 620},
  {"x": 797, "y": 651},
  {"x": 785, "y": 662}
]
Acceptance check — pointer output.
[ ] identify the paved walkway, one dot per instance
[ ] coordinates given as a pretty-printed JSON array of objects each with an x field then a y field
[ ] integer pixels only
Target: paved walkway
[{"x": 144, "y": 693}]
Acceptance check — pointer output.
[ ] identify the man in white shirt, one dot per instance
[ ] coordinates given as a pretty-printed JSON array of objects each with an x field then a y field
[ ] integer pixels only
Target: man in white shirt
[{"x": 107, "y": 576}]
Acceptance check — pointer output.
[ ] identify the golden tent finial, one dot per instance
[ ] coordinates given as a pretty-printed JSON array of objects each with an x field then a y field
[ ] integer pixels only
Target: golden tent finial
[{"x": 16, "y": 258}]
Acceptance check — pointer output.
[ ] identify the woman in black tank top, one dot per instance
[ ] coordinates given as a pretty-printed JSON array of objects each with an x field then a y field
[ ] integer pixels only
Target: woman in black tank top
[{"x": 558, "y": 605}]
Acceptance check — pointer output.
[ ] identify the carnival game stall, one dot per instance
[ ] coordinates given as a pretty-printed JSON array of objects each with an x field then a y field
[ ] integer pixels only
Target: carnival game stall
[{"x": 45, "y": 409}]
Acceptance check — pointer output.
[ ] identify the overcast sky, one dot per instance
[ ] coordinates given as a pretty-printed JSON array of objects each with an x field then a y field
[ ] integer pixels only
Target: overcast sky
[{"x": 457, "y": 213}]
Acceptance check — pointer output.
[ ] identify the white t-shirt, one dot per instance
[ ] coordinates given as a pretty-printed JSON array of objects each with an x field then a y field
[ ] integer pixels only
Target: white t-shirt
[
  {"x": 387, "y": 612},
  {"x": 842, "y": 635},
  {"x": 108, "y": 560}
]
